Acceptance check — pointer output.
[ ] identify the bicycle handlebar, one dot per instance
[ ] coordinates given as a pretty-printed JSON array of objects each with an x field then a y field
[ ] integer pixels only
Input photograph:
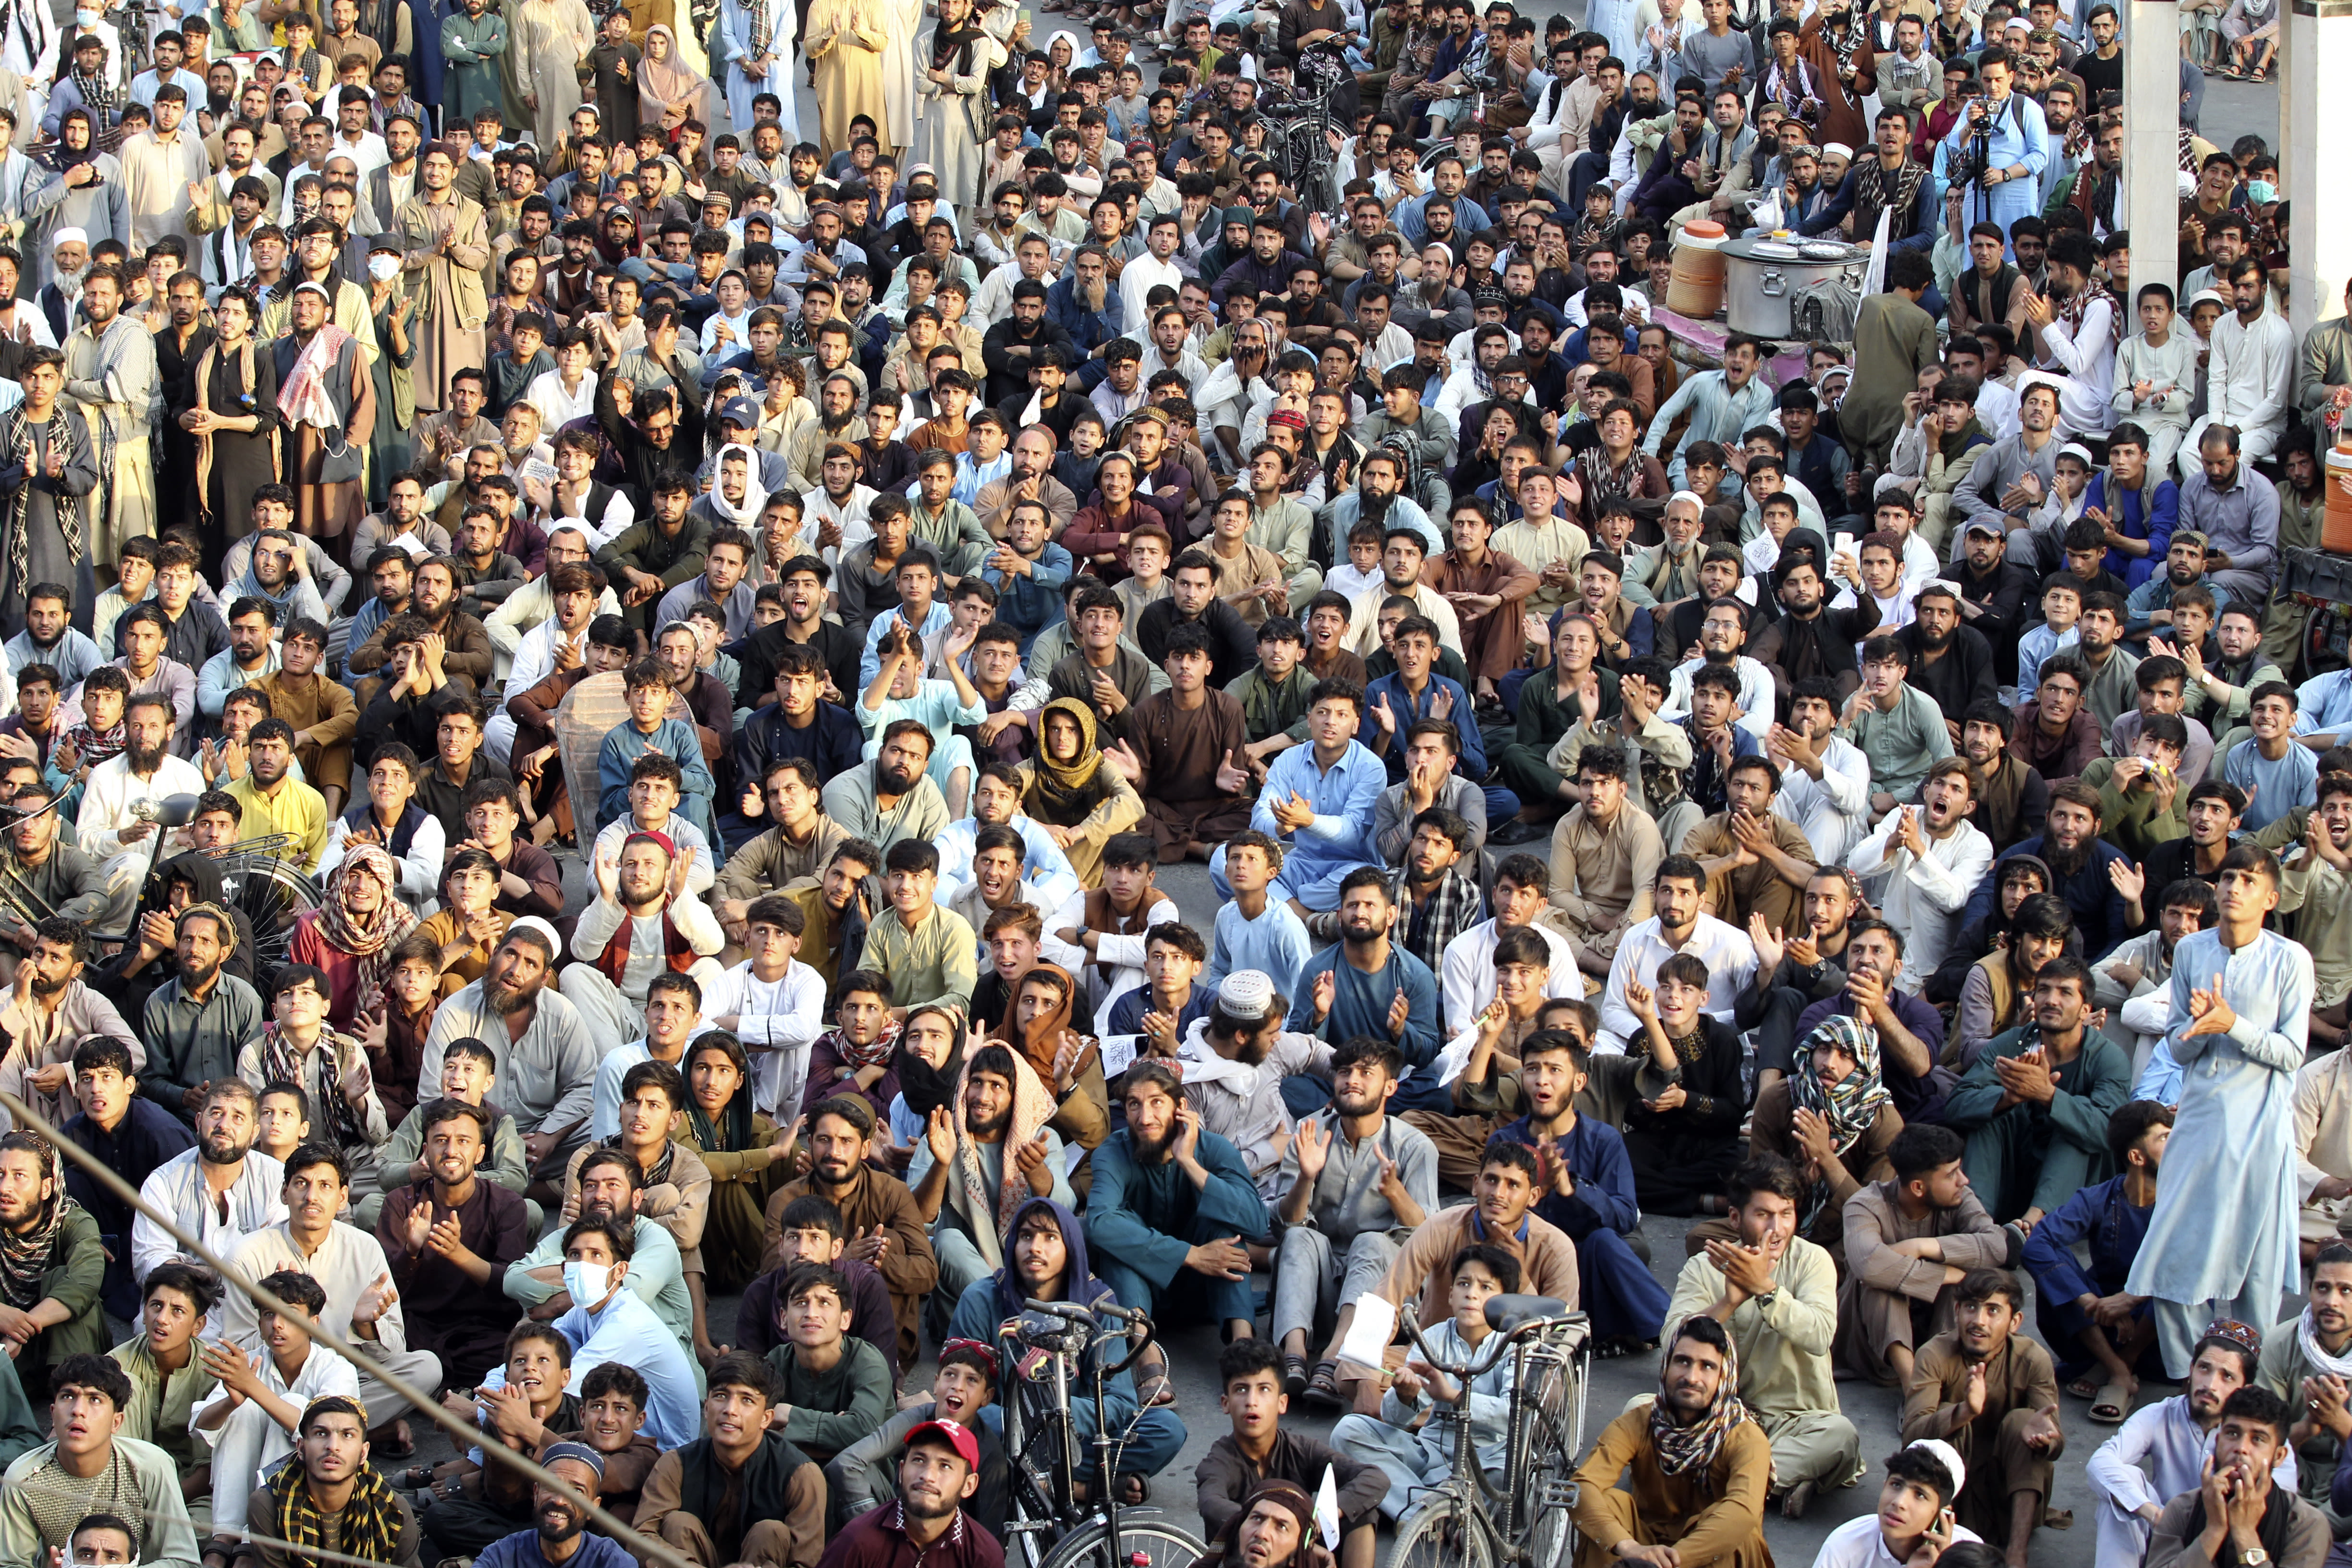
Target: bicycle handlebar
[
  {"x": 1092, "y": 1318},
  {"x": 1498, "y": 1344}
]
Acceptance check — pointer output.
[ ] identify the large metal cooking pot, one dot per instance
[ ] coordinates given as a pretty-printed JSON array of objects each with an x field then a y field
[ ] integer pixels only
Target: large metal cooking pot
[{"x": 1761, "y": 278}]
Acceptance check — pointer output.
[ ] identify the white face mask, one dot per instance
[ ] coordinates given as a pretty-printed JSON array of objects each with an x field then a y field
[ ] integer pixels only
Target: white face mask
[
  {"x": 588, "y": 1283},
  {"x": 87, "y": 18},
  {"x": 384, "y": 269}
]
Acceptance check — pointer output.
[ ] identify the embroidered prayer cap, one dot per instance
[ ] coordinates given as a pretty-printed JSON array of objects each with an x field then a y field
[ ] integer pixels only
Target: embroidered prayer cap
[
  {"x": 580, "y": 1451},
  {"x": 1838, "y": 150},
  {"x": 220, "y": 919},
  {"x": 669, "y": 844},
  {"x": 2246, "y": 1336},
  {"x": 954, "y": 1434},
  {"x": 1246, "y": 993},
  {"x": 1944, "y": 1453},
  {"x": 1286, "y": 419}
]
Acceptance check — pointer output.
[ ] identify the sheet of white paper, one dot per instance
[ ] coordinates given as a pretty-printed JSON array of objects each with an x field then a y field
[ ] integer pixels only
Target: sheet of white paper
[
  {"x": 1368, "y": 1335},
  {"x": 410, "y": 542},
  {"x": 1327, "y": 1509},
  {"x": 1118, "y": 1053}
]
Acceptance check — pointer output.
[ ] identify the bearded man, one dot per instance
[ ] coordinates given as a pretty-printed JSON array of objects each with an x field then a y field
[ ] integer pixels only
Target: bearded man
[{"x": 546, "y": 1066}]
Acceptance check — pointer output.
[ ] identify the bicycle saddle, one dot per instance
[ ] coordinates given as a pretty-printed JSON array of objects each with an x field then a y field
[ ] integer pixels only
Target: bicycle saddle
[{"x": 1505, "y": 1313}]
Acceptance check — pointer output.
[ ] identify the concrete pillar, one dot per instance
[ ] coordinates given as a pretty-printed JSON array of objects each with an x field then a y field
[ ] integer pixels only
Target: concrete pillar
[
  {"x": 2316, "y": 52},
  {"x": 2152, "y": 141}
]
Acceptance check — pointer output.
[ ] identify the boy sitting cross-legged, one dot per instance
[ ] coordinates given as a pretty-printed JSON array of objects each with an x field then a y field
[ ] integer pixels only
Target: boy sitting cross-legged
[
  {"x": 252, "y": 1419},
  {"x": 1260, "y": 1448},
  {"x": 1411, "y": 1439}
]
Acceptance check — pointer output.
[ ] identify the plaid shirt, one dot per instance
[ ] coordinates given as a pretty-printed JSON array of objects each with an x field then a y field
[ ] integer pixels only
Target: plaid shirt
[{"x": 1452, "y": 909}]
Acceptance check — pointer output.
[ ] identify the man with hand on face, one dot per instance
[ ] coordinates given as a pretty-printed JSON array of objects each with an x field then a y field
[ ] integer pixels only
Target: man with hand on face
[
  {"x": 1701, "y": 1464},
  {"x": 1776, "y": 1293},
  {"x": 2239, "y": 1508},
  {"x": 2164, "y": 1448}
]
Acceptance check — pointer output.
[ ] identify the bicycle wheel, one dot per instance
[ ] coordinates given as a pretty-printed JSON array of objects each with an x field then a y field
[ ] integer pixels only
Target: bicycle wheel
[
  {"x": 1548, "y": 1531},
  {"x": 1441, "y": 1533},
  {"x": 1143, "y": 1543}
]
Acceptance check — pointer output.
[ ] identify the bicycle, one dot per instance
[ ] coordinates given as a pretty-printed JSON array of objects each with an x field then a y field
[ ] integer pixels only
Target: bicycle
[
  {"x": 1466, "y": 1520},
  {"x": 1046, "y": 1526}
]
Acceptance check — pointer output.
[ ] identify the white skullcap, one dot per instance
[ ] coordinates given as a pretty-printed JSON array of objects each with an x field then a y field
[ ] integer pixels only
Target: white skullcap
[
  {"x": 68, "y": 237},
  {"x": 534, "y": 923},
  {"x": 1944, "y": 1453},
  {"x": 1838, "y": 150},
  {"x": 1246, "y": 993},
  {"x": 1690, "y": 496}
]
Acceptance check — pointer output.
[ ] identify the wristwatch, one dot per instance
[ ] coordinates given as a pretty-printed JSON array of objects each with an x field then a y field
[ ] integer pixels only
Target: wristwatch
[{"x": 2253, "y": 1557}]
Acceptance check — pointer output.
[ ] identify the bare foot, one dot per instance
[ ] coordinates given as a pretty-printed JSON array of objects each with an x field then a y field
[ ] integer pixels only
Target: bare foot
[{"x": 1796, "y": 1500}]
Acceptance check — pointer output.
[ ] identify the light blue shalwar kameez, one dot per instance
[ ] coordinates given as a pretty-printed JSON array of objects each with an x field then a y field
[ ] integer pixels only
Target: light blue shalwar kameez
[
  {"x": 2222, "y": 1240},
  {"x": 2013, "y": 138},
  {"x": 1416, "y": 1461}
]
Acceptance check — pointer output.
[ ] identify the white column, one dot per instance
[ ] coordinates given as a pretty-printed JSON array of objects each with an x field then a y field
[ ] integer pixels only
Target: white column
[
  {"x": 2316, "y": 59},
  {"x": 2152, "y": 140}
]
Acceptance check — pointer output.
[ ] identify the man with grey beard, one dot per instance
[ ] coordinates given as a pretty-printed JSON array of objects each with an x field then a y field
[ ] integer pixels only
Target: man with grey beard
[{"x": 546, "y": 1064}]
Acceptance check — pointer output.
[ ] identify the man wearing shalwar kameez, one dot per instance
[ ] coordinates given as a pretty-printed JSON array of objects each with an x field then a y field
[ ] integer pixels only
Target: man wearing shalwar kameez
[
  {"x": 1778, "y": 1294},
  {"x": 50, "y": 466},
  {"x": 2007, "y": 165},
  {"x": 2223, "y": 1235},
  {"x": 328, "y": 402},
  {"x": 447, "y": 243},
  {"x": 2107, "y": 1219},
  {"x": 2009, "y": 1439},
  {"x": 110, "y": 377},
  {"x": 2160, "y": 1451},
  {"x": 846, "y": 40},
  {"x": 1697, "y": 1467},
  {"x": 1626, "y": 1300},
  {"x": 546, "y": 41},
  {"x": 756, "y": 37}
]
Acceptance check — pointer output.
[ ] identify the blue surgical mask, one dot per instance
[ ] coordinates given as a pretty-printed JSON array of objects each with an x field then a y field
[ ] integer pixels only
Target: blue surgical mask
[{"x": 2262, "y": 193}]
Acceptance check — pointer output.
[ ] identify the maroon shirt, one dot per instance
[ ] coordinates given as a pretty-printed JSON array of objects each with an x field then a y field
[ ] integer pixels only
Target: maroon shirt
[{"x": 877, "y": 1538}]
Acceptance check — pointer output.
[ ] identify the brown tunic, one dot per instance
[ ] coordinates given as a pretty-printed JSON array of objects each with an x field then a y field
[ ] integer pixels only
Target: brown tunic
[
  {"x": 1181, "y": 751},
  {"x": 2019, "y": 1382},
  {"x": 1492, "y": 640},
  {"x": 1756, "y": 889},
  {"x": 1717, "y": 1519}
]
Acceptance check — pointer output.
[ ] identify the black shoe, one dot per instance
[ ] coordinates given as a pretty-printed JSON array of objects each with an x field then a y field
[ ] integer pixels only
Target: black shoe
[{"x": 1518, "y": 830}]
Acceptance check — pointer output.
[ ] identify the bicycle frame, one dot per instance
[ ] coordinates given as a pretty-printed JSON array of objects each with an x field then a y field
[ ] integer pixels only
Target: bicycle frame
[{"x": 1085, "y": 1334}]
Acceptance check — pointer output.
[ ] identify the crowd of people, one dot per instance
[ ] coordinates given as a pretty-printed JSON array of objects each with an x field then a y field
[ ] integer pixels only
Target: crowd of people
[{"x": 1871, "y": 799}]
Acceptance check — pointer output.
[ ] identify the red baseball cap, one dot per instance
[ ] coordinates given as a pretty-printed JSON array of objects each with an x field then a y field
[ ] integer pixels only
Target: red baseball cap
[{"x": 957, "y": 1435}]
